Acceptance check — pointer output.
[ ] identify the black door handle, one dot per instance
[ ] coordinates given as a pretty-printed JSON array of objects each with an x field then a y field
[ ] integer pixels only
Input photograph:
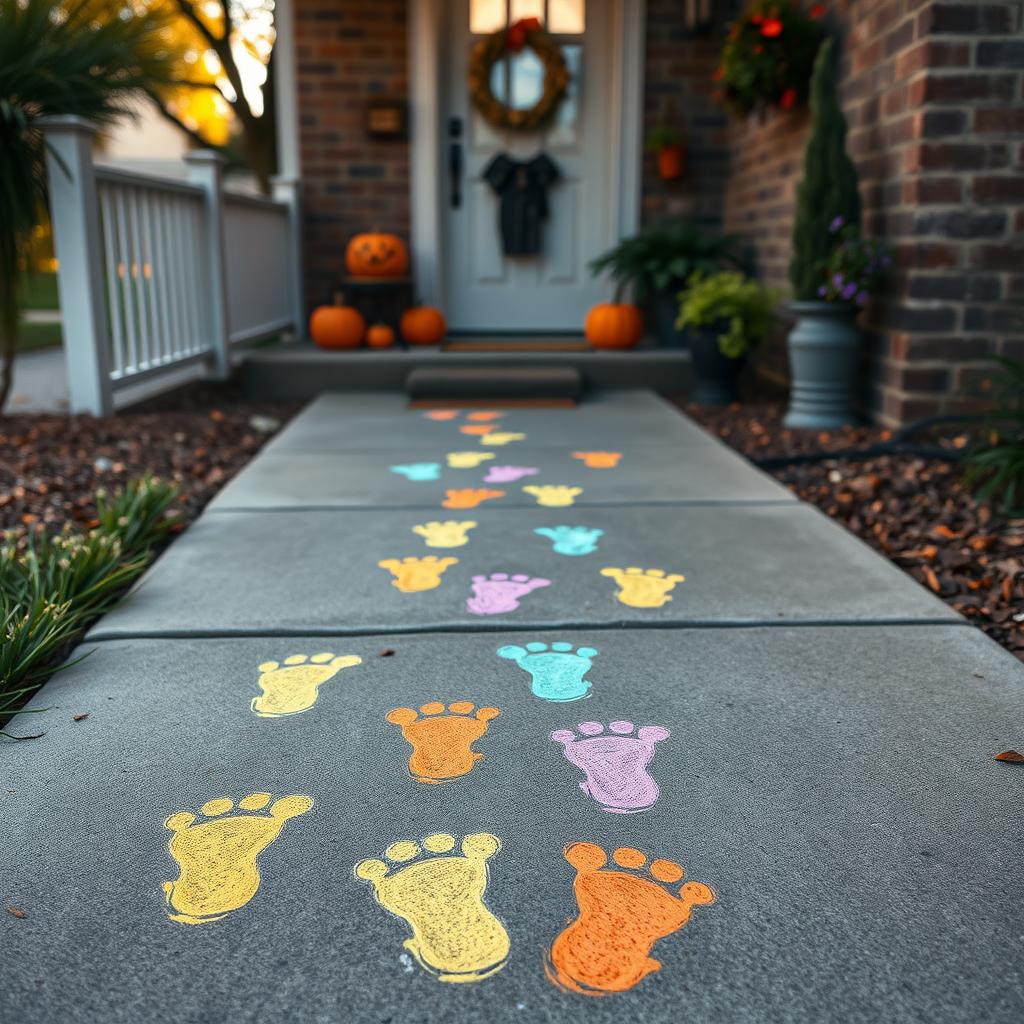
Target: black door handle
[{"x": 455, "y": 162}]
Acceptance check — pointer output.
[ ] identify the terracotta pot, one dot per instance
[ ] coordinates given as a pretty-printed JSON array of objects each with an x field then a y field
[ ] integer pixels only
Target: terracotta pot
[{"x": 671, "y": 162}]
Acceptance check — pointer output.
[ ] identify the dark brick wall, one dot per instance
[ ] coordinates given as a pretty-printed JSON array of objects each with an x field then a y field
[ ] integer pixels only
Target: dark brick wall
[{"x": 347, "y": 52}]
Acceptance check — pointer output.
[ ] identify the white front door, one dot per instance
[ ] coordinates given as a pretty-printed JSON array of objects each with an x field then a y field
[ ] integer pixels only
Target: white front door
[{"x": 485, "y": 290}]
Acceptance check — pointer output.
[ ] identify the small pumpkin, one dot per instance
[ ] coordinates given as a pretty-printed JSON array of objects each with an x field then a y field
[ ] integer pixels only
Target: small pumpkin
[
  {"x": 423, "y": 325},
  {"x": 376, "y": 254},
  {"x": 614, "y": 325},
  {"x": 380, "y": 336},
  {"x": 337, "y": 327}
]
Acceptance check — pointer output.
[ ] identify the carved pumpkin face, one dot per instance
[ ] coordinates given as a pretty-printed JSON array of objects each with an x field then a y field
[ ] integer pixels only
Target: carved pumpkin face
[{"x": 376, "y": 254}]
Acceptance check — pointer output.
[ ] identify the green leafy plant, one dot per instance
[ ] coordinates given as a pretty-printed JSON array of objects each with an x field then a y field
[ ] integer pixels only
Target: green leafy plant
[
  {"x": 828, "y": 192},
  {"x": 745, "y": 308},
  {"x": 663, "y": 258},
  {"x": 662, "y": 136},
  {"x": 75, "y": 57},
  {"x": 768, "y": 55},
  {"x": 995, "y": 468},
  {"x": 53, "y": 585}
]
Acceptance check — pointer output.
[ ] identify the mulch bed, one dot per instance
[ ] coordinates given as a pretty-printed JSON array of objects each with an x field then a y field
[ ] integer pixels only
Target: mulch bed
[
  {"x": 199, "y": 437},
  {"x": 911, "y": 508}
]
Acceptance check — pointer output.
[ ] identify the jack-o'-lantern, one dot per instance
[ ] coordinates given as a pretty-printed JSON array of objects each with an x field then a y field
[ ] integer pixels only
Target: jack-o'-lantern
[{"x": 376, "y": 254}]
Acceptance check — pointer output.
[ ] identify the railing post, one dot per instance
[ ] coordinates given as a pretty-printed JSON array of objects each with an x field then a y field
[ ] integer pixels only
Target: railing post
[
  {"x": 204, "y": 169},
  {"x": 78, "y": 245},
  {"x": 288, "y": 190}
]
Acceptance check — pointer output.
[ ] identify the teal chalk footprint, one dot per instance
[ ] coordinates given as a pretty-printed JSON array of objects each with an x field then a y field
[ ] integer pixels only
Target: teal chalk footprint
[
  {"x": 419, "y": 471},
  {"x": 557, "y": 670},
  {"x": 571, "y": 540}
]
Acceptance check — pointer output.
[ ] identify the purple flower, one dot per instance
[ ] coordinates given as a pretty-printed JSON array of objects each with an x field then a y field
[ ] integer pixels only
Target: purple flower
[
  {"x": 837, "y": 223},
  {"x": 850, "y": 290},
  {"x": 862, "y": 298},
  {"x": 822, "y": 291},
  {"x": 837, "y": 280}
]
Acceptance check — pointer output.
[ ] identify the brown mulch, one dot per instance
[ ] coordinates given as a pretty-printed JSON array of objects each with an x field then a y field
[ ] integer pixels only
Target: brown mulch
[
  {"x": 199, "y": 437},
  {"x": 911, "y": 508}
]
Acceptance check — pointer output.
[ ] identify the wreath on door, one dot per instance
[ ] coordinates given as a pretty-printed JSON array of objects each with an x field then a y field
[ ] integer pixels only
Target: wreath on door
[{"x": 488, "y": 51}]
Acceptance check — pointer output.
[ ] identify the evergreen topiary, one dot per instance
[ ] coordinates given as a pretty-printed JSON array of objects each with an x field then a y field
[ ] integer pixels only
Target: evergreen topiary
[{"x": 828, "y": 194}]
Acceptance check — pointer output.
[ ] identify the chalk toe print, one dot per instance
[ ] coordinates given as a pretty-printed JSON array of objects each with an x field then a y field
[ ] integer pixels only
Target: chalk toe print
[
  {"x": 476, "y": 429},
  {"x": 598, "y": 460},
  {"x": 441, "y": 414},
  {"x": 484, "y": 416},
  {"x": 217, "y": 858},
  {"x": 449, "y": 534},
  {"x": 556, "y": 671},
  {"x": 643, "y": 588},
  {"x": 419, "y": 471},
  {"x": 571, "y": 540},
  {"x": 554, "y": 495},
  {"x": 508, "y": 474},
  {"x": 500, "y": 592},
  {"x": 501, "y": 437},
  {"x": 442, "y": 738},
  {"x": 467, "y": 460},
  {"x": 469, "y": 497},
  {"x": 442, "y": 898},
  {"x": 622, "y": 914},
  {"x": 294, "y": 685},
  {"x": 414, "y": 575},
  {"x": 615, "y": 762}
]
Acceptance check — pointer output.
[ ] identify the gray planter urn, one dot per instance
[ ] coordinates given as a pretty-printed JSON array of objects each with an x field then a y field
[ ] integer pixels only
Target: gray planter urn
[{"x": 824, "y": 350}]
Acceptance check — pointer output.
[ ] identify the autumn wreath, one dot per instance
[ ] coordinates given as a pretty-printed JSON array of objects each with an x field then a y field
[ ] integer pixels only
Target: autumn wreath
[{"x": 488, "y": 51}]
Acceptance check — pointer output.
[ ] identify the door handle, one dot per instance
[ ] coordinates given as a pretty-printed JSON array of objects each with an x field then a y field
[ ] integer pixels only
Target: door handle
[{"x": 455, "y": 162}]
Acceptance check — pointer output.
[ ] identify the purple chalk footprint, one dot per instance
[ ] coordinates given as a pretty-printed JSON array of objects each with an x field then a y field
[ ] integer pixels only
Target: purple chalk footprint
[{"x": 500, "y": 592}]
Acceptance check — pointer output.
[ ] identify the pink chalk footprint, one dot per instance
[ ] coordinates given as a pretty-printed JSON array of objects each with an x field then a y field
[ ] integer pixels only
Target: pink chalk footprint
[
  {"x": 615, "y": 765},
  {"x": 500, "y": 592}
]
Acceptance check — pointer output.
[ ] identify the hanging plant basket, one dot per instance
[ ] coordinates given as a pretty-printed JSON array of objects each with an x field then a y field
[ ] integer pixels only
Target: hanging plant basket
[{"x": 488, "y": 51}]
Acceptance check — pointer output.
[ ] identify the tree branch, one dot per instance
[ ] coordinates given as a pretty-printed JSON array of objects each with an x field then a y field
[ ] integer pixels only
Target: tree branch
[
  {"x": 186, "y": 8},
  {"x": 168, "y": 116}
]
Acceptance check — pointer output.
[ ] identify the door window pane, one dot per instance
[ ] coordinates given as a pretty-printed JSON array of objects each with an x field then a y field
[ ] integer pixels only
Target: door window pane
[
  {"x": 527, "y": 72},
  {"x": 566, "y": 123},
  {"x": 526, "y": 9},
  {"x": 486, "y": 16},
  {"x": 566, "y": 17}
]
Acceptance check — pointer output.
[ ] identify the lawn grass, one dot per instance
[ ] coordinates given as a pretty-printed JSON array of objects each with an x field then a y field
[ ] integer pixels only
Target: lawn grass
[
  {"x": 39, "y": 291},
  {"x": 36, "y": 336}
]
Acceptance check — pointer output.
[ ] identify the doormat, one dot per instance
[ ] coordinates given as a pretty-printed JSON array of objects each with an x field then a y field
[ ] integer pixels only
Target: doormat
[{"x": 517, "y": 345}]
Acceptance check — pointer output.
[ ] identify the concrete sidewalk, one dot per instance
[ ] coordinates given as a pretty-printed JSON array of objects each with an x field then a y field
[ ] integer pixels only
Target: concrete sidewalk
[{"x": 312, "y": 787}]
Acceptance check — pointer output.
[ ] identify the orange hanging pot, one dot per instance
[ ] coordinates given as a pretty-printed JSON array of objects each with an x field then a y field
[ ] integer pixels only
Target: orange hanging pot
[{"x": 671, "y": 162}]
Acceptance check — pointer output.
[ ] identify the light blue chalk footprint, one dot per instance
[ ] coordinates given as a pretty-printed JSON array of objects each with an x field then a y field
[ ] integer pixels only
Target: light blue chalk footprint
[
  {"x": 419, "y": 471},
  {"x": 557, "y": 670},
  {"x": 572, "y": 540}
]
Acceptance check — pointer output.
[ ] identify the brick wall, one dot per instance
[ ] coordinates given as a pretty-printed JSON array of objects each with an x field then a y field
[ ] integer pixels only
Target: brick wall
[
  {"x": 347, "y": 52},
  {"x": 932, "y": 92}
]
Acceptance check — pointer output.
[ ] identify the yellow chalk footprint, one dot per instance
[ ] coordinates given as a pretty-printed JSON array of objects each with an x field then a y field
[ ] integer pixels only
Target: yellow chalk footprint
[
  {"x": 295, "y": 685},
  {"x": 643, "y": 588},
  {"x": 454, "y": 935},
  {"x": 501, "y": 437},
  {"x": 449, "y": 534},
  {"x": 414, "y": 575},
  {"x": 554, "y": 495},
  {"x": 467, "y": 460},
  {"x": 217, "y": 858}
]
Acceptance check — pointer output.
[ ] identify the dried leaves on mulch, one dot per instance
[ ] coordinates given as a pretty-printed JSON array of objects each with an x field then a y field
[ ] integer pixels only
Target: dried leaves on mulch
[{"x": 911, "y": 509}]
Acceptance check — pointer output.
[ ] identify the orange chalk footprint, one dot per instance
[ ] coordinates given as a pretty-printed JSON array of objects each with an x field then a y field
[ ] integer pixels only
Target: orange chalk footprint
[
  {"x": 598, "y": 460},
  {"x": 484, "y": 416},
  {"x": 469, "y": 497},
  {"x": 622, "y": 914},
  {"x": 442, "y": 738},
  {"x": 477, "y": 429},
  {"x": 441, "y": 415}
]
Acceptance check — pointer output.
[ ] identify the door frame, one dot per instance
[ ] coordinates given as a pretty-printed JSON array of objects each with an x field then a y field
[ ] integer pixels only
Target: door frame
[{"x": 625, "y": 144}]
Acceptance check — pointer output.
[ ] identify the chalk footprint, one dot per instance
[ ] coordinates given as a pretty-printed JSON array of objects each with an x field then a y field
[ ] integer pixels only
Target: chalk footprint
[
  {"x": 217, "y": 858},
  {"x": 622, "y": 914},
  {"x": 295, "y": 685},
  {"x": 556, "y": 671},
  {"x": 414, "y": 575},
  {"x": 442, "y": 738},
  {"x": 455, "y": 936},
  {"x": 644, "y": 588},
  {"x": 615, "y": 762}
]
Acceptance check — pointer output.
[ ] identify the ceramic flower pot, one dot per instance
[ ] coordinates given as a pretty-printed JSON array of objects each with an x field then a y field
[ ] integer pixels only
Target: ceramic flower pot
[
  {"x": 824, "y": 348},
  {"x": 664, "y": 309},
  {"x": 714, "y": 375}
]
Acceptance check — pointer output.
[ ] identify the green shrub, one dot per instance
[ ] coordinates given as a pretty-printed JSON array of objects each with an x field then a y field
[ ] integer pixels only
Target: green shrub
[
  {"x": 995, "y": 468},
  {"x": 53, "y": 585},
  {"x": 728, "y": 296}
]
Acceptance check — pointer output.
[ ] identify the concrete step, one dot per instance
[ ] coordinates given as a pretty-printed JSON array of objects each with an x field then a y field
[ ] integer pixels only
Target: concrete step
[{"x": 443, "y": 383}]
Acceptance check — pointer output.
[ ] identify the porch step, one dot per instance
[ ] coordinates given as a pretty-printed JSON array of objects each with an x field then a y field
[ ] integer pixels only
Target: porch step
[
  {"x": 449, "y": 384},
  {"x": 302, "y": 371}
]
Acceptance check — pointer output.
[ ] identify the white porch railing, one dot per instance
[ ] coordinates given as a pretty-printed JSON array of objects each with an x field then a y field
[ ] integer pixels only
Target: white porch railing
[{"x": 160, "y": 279}]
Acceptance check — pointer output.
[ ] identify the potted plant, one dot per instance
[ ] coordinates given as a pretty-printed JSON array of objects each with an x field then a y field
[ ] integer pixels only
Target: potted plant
[
  {"x": 734, "y": 314},
  {"x": 666, "y": 143},
  {"x": 658, "y": 261},
  {"x": 832, "y": 270},
  {"x": 768, "y": 56}
]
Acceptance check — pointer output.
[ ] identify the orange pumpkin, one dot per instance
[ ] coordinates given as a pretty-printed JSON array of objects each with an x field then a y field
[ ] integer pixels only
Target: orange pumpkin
[
  {"x": 423, "y": 325},
  {"x": 337, "y": 327},
  {"x": 380, "y": 336},
  {"x": 376, "y": 254},
  {"x": 614, "y": 325}
]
